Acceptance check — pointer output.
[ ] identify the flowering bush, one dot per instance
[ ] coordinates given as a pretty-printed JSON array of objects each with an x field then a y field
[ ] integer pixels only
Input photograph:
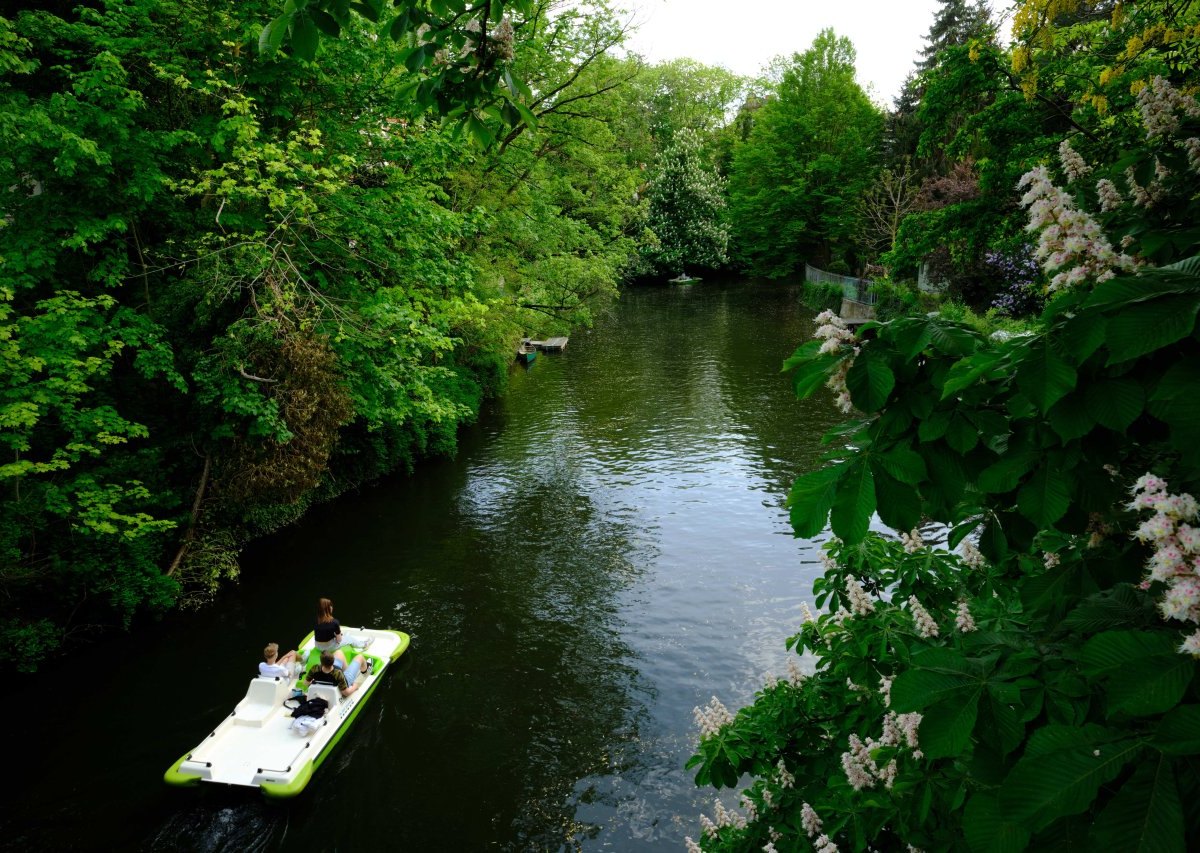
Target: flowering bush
[
  {"x": 1020, "y": 295},
  {"x": 1039, "y": 685}
]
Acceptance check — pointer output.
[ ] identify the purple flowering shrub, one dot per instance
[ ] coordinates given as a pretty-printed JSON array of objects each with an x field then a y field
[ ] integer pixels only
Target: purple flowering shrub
[{"x": 1019, "y": 293}]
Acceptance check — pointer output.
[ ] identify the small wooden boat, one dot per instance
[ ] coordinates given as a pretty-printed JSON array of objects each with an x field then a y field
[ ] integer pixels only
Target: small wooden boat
[
  {"x": 526, "y": 352},
  {"x": 683, "y": 279},
  {"x": 257, "y": 746}
]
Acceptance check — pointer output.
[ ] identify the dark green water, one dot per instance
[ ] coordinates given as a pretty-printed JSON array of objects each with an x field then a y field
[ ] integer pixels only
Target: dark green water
[{"x": 608, "y": 550}]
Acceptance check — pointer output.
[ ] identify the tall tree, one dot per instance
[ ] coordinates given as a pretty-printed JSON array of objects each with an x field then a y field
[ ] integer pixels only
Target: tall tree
[
  {"x": 811, "y": 152},
  {"x": 686, "y": 204}
]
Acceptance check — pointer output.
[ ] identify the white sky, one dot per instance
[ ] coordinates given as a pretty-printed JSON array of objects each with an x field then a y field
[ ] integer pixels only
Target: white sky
[{"x": 743, "y": 35}]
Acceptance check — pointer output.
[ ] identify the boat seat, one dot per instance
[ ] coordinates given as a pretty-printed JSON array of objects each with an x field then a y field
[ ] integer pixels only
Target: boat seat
[
  {"x": 325, "y": 691},
  {"x": 264, "y": 696}
]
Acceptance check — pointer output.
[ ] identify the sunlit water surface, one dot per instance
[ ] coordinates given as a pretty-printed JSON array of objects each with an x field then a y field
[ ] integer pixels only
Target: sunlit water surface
[{"x": 608, "y": 550}]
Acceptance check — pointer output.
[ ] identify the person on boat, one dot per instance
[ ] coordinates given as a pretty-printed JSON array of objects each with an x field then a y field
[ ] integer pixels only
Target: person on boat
[
  {"x": 326, "y": 673},
  {"x": 327, "y": 635},
  {"x": 274, "y": 666}
]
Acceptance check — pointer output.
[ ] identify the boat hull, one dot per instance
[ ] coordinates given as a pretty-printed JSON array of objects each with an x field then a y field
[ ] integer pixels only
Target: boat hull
[{"x": 255, "y": 745}]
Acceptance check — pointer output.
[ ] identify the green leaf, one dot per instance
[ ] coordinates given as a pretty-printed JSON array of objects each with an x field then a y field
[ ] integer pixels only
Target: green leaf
[
  {"x": 1145, "y": 816},
  {"x": 961, "y": 434},
  {"x": 1144, "y": 672},
  {"x": 811, "y": 498},
  {"x": 414, "y": 60},
  {"x": 905, "y": 465},
  {"x": 325, "y": 22},
  {"x": 1115, "y": 403},
  {"x": 1044, "y": 498},
  {"x": 1179, "y": 731},
  {"x": 1043, "y": 375},
  {"x": 809, "y": 375},
  {"x": 988, "y": 831},
  {"x": 946, "y": 727},
  {"x": 1005, "y": 474},
  {"x": 870, "y": 381},
  {"x": 305, "y": 37},
  {"x": 969, "y": 370},
  {"x": 1149, "y": 326},
  {"x": 934, "y": 426},
  {"x": 1070, "y": 418},
  {"x": 917, "y": 689},
  {"x": 898, "y": 504},
  {"x": 272, "y": 34},
  {"x": 854, "y": 503},
  {"x": 1043, "y": 788}
]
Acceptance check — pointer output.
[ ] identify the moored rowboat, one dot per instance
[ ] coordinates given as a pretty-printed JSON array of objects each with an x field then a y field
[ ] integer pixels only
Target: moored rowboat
[{"x": 256, "y": 745}]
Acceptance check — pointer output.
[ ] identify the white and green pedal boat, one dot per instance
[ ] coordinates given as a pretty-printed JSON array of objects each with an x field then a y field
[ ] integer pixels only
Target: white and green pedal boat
[{"x": 256, "y": 745}]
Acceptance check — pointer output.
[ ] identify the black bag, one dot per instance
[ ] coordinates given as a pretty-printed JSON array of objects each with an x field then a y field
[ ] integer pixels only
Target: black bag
[{"x": 315, "y": 707}]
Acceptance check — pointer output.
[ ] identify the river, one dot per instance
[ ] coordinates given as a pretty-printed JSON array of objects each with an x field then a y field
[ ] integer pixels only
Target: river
[{"x": 608, "y": 550}]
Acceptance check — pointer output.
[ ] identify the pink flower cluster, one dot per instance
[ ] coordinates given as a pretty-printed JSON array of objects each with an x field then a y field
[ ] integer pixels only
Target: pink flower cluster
[
  {"x": 836, "y": 338},
  {"x": 1070, "y": 240},
  {"x": 1176, "y": 558},
  {"x": 1159, "y": 102}
]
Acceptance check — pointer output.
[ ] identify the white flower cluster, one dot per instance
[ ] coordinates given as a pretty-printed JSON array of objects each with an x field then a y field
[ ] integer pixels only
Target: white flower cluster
[
  {"x": 1149, "y": 195},
  {"x": 1176, "y": 558},
  {"x": 805, "y": 613},
  {"x": 1050, "y": 560},
  {"x": 795, "y": 674},
  {"x": 750, "y": 807},
  {"x": 1192, "y": 146},
  {"x": 912, "y": 541},
  {"x": 1159, "y": 102},
  {"x": 692, "y": 846},
  {"x": 860, "y": 602},
  {"x": 810, "y": 820},
  {"x": 885, "y": 689},
  {"x": 1110, "y": 196},
  {"x": 837, "y": 337},
  {"x": 1070, "y": 240},
  {"x": 786, "y": 779},
  {"x": 711, "y": 718},
  {"x": 971, "y": 556},
  {"x": 1073, "y": 164},
  {"x": 812, "y": 825},
  {"x": 963, "y": 620},
  {"x": 926, "y": 626},
  {"x": 861, "y": 771}
]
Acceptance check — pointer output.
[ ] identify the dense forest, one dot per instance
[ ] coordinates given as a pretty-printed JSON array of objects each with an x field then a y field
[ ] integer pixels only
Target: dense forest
[{"x": 256, "y": 254}]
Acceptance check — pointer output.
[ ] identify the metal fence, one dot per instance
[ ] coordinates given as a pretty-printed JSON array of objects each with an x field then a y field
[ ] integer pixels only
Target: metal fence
[{"x": 854, "y": 289}]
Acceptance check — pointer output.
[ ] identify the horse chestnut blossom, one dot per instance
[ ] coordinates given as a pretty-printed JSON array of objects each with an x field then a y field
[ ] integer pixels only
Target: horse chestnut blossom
[
  {"x": 963, "y": 619},
  {"x": 860, "y": 602},
  {"x": 926, "y": 626},
  {"x": 1070, "y": 240},
  {"x": 1110, "y": 197},
  {"x": 711, "y": 718},
  {"x": 972, "y": 557},
  {"x": 1175, "y": 560},
  {"x": 810, "y": 820},
  {"x": 836, "y": 338},
  {"x": 1159, "y": 102},
  {"x": 1073, "y": 164}
]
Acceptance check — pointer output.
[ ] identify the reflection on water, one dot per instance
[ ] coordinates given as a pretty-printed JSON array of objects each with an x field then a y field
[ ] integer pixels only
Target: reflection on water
[{"x": 608, "y": 551}]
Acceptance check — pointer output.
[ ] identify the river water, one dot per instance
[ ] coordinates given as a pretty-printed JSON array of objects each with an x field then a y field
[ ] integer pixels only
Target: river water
[{"x": 608, "y": 550}]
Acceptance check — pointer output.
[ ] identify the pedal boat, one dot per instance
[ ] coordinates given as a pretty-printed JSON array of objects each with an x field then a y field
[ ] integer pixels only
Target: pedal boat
[{"x": 256, "y": 746}]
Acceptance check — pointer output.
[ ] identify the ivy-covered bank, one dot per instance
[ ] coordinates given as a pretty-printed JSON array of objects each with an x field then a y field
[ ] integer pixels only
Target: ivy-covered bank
[
  {"x": 255, "y": 253},
  {"x": 1031, "y": 683}
]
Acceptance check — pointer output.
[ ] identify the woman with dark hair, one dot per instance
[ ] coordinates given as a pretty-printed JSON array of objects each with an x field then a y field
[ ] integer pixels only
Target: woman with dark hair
[{"x": 327, "y": 635}]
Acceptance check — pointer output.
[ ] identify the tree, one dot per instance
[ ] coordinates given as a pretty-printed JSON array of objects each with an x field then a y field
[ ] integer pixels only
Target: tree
[
  {"x": 685, "y": 208},
  {"x": 811, "y": 152},
  {"x": 955, "y": 24}
]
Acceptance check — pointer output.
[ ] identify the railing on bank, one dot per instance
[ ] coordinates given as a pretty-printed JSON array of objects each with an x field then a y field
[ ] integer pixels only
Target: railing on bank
[{"x": 854, "y": 289}]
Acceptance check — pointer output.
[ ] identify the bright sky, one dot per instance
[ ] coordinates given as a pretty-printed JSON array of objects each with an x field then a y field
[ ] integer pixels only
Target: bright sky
[{"x": 743, "y": 35}]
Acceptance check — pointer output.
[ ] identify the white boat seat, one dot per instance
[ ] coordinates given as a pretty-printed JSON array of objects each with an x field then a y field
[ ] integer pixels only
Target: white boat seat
[
  {"x": 264, "y": 696},
  {"x": 325, "y": 691}
]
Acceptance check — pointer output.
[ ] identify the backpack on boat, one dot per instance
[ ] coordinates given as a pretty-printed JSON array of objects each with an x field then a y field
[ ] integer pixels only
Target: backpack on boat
[{"x": 315, "y": 707}]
